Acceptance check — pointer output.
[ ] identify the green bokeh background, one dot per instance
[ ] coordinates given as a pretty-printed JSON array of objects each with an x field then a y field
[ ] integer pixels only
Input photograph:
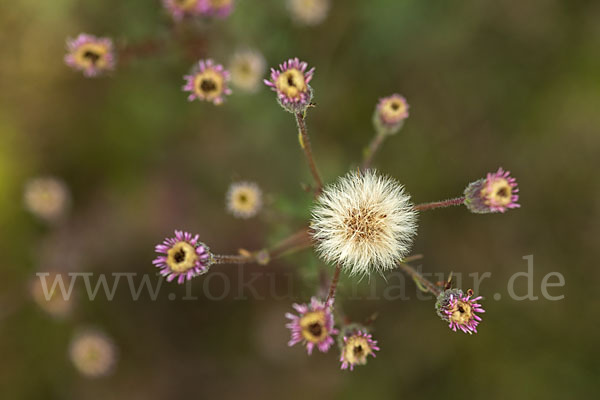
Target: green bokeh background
[{"x": 490, "y": 83}]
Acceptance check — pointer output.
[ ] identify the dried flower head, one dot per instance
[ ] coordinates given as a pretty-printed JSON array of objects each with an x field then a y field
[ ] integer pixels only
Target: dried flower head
[
  {"x": 308, "y": 12},
  {"x": 356, "y": 346},
  {"x": 459, "y": 310},
  {"x": 51, "y": 300},
  {"x": 217, "y": 8},
  {"x": 247, "y": 69},
  {"x": 208, "y": 81},
  {"x": 47, "y": 198},
  {"x": 185, "y": 257},
  {"x": 314, "y": 325},
  {"x": 244, "y": 199},
  {"x": 291, "y": 82},
  {"x": 364, "y": 222},
  {"x": 496, "y": 193},
  {"x": 93, "y": 353},
  {"x": 390, "y": 114},
  {"x": 183, "y": 8},
  {"x": 90, "y": 54}
]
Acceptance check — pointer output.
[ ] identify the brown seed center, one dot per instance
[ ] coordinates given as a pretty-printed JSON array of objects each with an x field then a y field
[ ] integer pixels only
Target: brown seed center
[{"x": 208, "y": 85}]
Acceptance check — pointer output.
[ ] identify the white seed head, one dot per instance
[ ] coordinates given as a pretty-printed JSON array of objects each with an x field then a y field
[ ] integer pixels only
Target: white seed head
[{"x": 365, "y": 222}]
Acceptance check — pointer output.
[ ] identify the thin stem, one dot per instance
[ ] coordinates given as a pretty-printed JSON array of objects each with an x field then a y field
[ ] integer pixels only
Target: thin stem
[
  {"x": 373, "y": 147},
  {"x": 418, "y": 277},
  {"x": 440, "y": 204},
  {"x": 305, "y": 144},
  {"x": 334, "y": 282},
  {"x": 297, "y": 241}
]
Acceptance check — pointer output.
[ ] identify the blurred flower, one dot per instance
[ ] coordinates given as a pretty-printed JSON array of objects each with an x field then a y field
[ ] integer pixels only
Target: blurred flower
[
  {"x": 47, "y": 198},
  {"x": 244, "y": 199},
  {"x": 93, "y": 353},
  {"x": 356, "y": 347},
  {"x": 208, "y": 81},
  {"x": 364, "y": 222},
  {"x": 186, "y": 257},
  {"x": 390, "y": 114},
  {"x": 247, "y": 68},
  {"x": 90, "y": 54},
  {"x": 51, "y": 300},
  {"x": 459, "y": 310},
  {"x": 309, "y": 12},
  {"x": 291, "y": 84},
  {"x": 314, "y": 325},
  {"x": 217, "y": 8},
  {"x": 182, "y": 8},
  {"x": 496, "y": 193}
]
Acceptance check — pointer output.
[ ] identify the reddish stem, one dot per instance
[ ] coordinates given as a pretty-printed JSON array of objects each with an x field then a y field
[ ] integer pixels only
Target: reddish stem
[{"x": 440, "y": 204}]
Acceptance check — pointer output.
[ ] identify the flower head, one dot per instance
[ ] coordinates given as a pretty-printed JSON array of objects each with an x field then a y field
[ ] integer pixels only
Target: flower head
[
  {"x": 51, "y": 298},
  {"x": 90, "y": 54},
  {"x": 93, "y": 353},
  {"x": 47, "y": 198},
  {"x": 364, "y": 222},
  {"x": 356, "y": 346},
  {"x": 217, "y": 8},
  {"x": 495, "y": 193},
  {"x": 314, "y": 325},
  {"x": 459, "y": 310},
  {"x": 185, "y": 257},
  {"x": 182, "y": 8},
  {"x": 291, "y": 82},
  {"x": 247, "y": 68},
  {"x": 390, "y": 114},
  {"x": 208, "y": 81},
  {"x": 244, "y": 199},
  {"x": 308, "y": 12}
]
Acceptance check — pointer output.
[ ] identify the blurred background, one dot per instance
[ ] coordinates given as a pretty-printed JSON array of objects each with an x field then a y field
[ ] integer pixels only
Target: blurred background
[{"x": 504, "y": 83}]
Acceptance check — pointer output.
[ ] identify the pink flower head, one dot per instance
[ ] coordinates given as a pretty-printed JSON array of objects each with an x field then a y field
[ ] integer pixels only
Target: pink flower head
[
  {"x": 90, "y": 54},
  {"x": 495, "y": 193},
  {"x": 291, "y": 82},
  {"x": 185, "y": 257},
  {"x": 217, "y": 8},
  {"x": 459, "y": 310},
  {"x": 390, "y": 114},
  {"x": 356, "y": 347},
  {"x": 208, "y": 81},
  {"x": 314, "y": 325},
  {"x": 182, "y": 8}
]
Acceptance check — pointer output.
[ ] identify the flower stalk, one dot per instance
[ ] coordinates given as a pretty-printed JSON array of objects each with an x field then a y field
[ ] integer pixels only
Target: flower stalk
[
  {"x": 334, "y": 283},
  {"x": 372, "y": 149},
  {"x": 426, "y": 283},
  {"x": 306, "y": 147},
  {"x": 440, "y": 204}
]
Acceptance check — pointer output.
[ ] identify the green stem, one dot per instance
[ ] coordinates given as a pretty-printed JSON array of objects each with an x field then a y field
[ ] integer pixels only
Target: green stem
[{"x": 373, "y": 147}]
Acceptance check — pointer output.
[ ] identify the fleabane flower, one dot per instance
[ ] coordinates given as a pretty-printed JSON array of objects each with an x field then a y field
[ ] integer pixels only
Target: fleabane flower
[
  {"x": 365, "y": 222},
  {"x": 51, "y": 298},
  {"x": 183, "y": 8},
  {"x": 182, "y": 257},
  {"x": 90, "y": 54},
  {"x": 314, "y": 325},
  {"x": 308, "y": 12},
  {"x": 47, "y": 198},
  {"x": 93, "y": 353},
  {"x": 244, "y": 199},
  {"x": 247, "y": 69},
  {"x": 495, "y": 193},
  {"x": 355, "y": 347},
  {"x": 390, "y": 114},
  {"x": 207, "y": 81},
  {"x": 459, "y": 310},
  {"x": 217, "y": 8},
  {"x": 291, "y": 82}
]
